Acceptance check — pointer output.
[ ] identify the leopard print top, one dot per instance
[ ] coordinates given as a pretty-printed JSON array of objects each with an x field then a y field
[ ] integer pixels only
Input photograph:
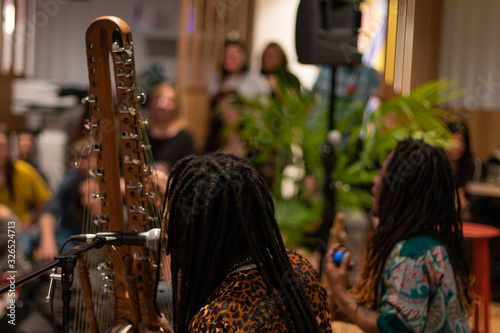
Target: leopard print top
[{"x": 241, "y": 303}]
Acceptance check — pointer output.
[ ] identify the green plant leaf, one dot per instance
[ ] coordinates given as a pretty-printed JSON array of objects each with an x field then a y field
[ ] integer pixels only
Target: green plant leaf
[{"x": 292, "y": 130}]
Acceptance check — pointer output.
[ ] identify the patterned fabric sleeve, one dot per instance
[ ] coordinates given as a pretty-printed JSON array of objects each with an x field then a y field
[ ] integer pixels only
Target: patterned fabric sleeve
[
  {"x": 404, "y": 302},
  {"x": 419, "y": 293}
]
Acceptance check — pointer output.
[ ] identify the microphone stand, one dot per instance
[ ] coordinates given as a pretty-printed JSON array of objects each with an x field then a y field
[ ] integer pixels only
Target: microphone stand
[
  {"x": 67, "y": 262},
  {"x": 329, "y": 161}
]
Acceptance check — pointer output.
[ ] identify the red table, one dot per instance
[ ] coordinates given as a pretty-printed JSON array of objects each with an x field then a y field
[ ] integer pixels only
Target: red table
[{"x": 480, "y": 235}]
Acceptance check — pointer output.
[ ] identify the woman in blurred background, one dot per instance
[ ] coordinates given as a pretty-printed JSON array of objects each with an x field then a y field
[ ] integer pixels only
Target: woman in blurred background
[
  {"x": 275, "y": 68},
  {"x": 169, "y": 139}
]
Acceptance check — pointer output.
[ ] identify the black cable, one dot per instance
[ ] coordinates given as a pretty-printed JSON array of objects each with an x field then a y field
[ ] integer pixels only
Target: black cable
[
  {"x": 64, "y": 244},
  {"x": 52, "y": 292}
]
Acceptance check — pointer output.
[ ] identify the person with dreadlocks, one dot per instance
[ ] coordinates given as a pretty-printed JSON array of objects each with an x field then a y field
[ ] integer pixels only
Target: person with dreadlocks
[
  {"x": 230, "y": 269},
  {"x": 414, "y": 274}
]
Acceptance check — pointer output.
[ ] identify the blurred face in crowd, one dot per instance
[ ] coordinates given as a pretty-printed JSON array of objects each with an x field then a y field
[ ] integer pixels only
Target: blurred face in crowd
[
  {"x": 272, "y": 59},
  {"x": 85, "y": 190},
  {"x": 4, "y": 149},
  {"x": 83, "y": 159},
  {"x": 458, "y": 149},
  {"x": 228, "y": 113},
  {"x": 26, "y": 145},
  {"x": 164, "y": 106},
  {"x": 85, "y": 163},
  {"x": 234, "y": 58}
]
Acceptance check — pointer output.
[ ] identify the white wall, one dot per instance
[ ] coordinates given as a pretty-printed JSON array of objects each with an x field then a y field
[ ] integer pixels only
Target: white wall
[
  {"x": 469, "y": 51},
  {"x": 275, "y": 22},
  {"x": 60, "y": 53},
  {"x": 59, "y": 28},
  {"x": 61, "y": 24}
]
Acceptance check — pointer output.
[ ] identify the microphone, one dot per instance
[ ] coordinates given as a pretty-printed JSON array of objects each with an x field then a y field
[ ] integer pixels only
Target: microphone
[{"x": 150, "y": 238}]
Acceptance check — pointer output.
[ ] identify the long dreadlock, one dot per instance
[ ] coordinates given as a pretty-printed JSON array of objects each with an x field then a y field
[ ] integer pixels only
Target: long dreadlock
[
  {"x": 419, "y": 194},
  {"x": 219, "y": 211}
]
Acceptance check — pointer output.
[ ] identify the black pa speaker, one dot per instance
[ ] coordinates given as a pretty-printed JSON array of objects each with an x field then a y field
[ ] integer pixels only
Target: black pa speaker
[{"x": 326, "y": 32}]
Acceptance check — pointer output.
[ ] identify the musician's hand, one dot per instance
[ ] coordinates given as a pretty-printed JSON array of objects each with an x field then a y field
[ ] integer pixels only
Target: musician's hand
[
  {"x": 336, "y": 314},
  {"x": 165, "y": 324},
  {"x": 339, "y": 300},
  {"x": 338, "y": 276}
]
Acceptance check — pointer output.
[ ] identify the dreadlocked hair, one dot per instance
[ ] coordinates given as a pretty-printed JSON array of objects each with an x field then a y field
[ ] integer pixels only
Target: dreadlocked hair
[
  {"x": 419, "y": 195},
  {"x": 219, "y": 211}
]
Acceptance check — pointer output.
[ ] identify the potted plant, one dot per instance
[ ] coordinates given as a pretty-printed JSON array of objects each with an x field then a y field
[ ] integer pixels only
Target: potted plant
[{"x": 287, "y": 133}]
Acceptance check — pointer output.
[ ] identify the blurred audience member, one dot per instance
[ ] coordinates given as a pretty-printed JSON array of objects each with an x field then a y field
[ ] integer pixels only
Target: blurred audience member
[
  {"x": 10, "y": 229},
  {"x": 356, "y": 90},
  {"x": 26, "y": 148},
  {"x": 237, "y": 80},
  {"x": 12, "y": 262},
  {"x": 63, "y": 215},
  {"x": 467, "y": 167},
  {"x": 24, "y": 191},
  {"x": 275, "y": 68},
  {"x": 169, "y": 140},
  {"x": 224, "y": 115},
  {"x": 353, "y": 83},
  {"x": 236, "y": 76}
]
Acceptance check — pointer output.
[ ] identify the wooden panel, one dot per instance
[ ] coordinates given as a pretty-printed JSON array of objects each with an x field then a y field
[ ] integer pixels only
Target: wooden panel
[
  {"x": 208, "y": 43},
  {"x": 426, "y": 42},
  {"x": 413, "y": 43},
  {"x": 197, "y": 101},
  {"x": 483, "y": 132},
  {"x": 8, "y": 121},
  {"x": 182, "y": 44},
  {"x": 197, "y": 40},
  {"x": 15, "y": 50},
  {"x": 400, "y": 43}
]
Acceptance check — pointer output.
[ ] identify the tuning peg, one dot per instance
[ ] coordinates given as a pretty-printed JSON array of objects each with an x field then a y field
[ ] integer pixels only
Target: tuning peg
[
  {"x": 101, "y": 195},
  {"x": 100, "y": 219},
  {"x": 122, "y": 86},
  {"x": 126, "y": 109},
  {"x": 89, "y": 99},
  {"x": 89, "y": 124},
  {"x": 120, "y": 72},
  {"x": 138, "y": 187},
  {"x": 120, "y": 61},
  {"x": 141, "y": 98},
  {"x": 128, "y": 160}
]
